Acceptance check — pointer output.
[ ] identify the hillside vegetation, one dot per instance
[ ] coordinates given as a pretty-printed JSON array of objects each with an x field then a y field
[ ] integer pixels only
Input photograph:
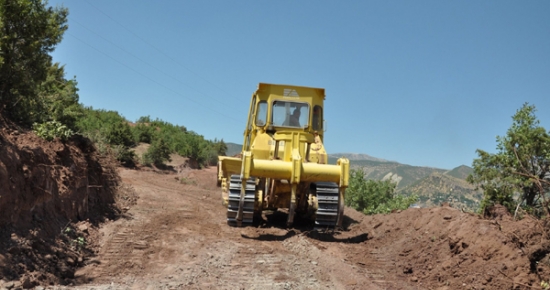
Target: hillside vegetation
[
  {"x": 233, "y": 149},
  {"x": 402, "y": 174},
  {"x": 433, "y": 186},
  {"x": 113, "y": 134},
  {"x": 35, "y": 92},
  {"x": 438, "y": 188}
]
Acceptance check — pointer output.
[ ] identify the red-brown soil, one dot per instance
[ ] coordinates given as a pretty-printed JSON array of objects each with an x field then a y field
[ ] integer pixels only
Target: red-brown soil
[
  {"x": 175, "y": 237},
  {"x": 51, "y": 194}
]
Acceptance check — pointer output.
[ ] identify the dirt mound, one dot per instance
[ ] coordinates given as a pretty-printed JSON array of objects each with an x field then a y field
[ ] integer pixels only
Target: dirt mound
[
  {"x": 444, "y": 248},
  {"x": 497, "y": 212},
  {"x": 52, "y": 196}
]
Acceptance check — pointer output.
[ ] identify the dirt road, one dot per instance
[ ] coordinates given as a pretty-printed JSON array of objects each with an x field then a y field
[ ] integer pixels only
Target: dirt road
[{"x": 176, "y": 237}]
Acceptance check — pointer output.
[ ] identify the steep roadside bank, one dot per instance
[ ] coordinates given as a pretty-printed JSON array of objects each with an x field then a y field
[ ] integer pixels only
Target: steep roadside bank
[{"x": 52, "y": 195}]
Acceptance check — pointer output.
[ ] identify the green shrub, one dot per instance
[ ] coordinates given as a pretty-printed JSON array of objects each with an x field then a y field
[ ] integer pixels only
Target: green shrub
[
  {"x": 143, "y": 133},
  {"x": 119, "y": 133},
  {"x": 99, "y": 141},
  {"x": 179, "y": 140},
  {"x": 124, "y": 154},
  {"x": 498, "y": 194},
  {"x": 29, "y": 32},
  {"x": 373, "y": 197},
  {"x": 109, "y": 131},
  {"x": 516, "y": 176},
  {"x": 120, "y": 152},
  {"x": 110, "y": 124},
  {"x": 52, "y": 129},
  {"x": 157, "y": 154}
]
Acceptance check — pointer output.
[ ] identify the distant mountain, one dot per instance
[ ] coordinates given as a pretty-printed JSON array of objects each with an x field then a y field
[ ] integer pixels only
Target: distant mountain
[
  {"x": 402, "y": 174},
  {"x": 357, "y": 156},
  {"x": 233, "y": 149},
  {"x": 460, "y": 172},
  {"x": 438, "y": 188}
]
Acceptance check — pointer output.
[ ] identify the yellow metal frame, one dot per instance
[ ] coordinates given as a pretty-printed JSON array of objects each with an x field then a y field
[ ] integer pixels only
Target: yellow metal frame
[{"x": 283, "y": 153}]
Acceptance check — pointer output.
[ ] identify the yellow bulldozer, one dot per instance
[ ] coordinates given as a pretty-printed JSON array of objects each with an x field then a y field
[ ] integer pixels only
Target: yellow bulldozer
[{"x": 283, "y": 162}]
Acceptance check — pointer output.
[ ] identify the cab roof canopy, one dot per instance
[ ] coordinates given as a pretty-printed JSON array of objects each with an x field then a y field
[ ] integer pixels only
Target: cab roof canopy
[{"x": 290, "y": 90}]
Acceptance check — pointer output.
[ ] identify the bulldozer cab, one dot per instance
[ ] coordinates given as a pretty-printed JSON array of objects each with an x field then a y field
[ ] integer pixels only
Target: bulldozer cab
[{"x": 278, "y": 108}]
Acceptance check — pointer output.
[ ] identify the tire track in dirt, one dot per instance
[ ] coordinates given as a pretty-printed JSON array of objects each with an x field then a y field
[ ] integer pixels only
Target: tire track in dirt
[
  {"x": 176, "y": 237},
  {"x": 267, "y": 270}
]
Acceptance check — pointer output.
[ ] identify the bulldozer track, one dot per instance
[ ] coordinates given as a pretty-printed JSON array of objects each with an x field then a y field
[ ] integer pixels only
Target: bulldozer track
[
  {"x": 327, "y": 209},
  {"x": 117, "y": 249},
  {"x": 235, "y": 197},
  {"x": 327, "y": 198}
]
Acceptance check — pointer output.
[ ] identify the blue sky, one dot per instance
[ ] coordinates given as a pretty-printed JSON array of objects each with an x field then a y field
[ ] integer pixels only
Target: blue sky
[{"x": 423, "y": 83}]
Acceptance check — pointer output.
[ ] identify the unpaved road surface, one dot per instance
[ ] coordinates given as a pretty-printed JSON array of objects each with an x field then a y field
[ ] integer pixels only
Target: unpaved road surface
[{"x": 176, "y": 237}]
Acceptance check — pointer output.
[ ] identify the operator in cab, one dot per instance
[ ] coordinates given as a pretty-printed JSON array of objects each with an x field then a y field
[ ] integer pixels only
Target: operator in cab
[{"x": 295, "y": 118}]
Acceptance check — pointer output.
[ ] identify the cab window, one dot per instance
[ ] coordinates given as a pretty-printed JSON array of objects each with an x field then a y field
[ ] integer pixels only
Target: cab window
[
  {"x": 261, "y": 113},
  {"x": 290, "y": 114},
  {"x": 317, "y": 118}
]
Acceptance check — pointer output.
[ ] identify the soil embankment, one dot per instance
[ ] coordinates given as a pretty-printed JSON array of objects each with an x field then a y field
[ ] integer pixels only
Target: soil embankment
[{"x": 51, "y": 196}]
